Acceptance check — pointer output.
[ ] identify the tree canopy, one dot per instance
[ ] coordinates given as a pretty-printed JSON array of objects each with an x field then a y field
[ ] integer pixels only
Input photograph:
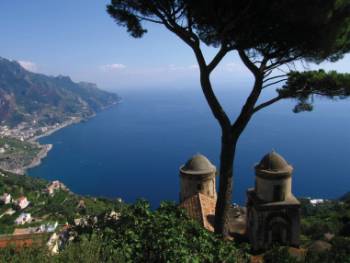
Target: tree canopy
[
  {"x": 287, "y": 29},
  {"x": 269, "y": 32},
  {"x": 268, "y": 35},
  {"x": 313, "y": 29}
]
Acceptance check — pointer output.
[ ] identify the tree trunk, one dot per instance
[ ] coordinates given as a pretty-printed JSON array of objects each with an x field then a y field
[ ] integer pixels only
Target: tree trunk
[{"x": 228, "y": 149}]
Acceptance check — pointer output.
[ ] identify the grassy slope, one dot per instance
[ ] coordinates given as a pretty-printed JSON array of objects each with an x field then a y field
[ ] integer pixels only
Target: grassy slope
[
  {"x": 61, "y": 207},
  {"x": 21, "y": 153}
]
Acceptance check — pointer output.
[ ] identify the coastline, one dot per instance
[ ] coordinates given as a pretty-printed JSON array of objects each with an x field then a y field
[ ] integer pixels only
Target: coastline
[
  {"x": 59, "y": 127},
  {"x": 45, "y": 148},
  {"x": 35, "y": 162}
]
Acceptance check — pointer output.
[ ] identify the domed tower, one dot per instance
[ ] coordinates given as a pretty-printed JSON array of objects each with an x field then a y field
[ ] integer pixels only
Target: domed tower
[
  {"x": 273, "y": 213},
  {"x": 273, "y": 178},
  {"x": 197, "y": 176}
]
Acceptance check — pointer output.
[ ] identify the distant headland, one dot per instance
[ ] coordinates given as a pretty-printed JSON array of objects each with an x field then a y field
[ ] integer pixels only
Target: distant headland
[{"x": 35, "y": 105}]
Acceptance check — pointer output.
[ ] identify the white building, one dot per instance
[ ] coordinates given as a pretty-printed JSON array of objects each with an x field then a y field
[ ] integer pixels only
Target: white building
[
  {"x": 53, "y": 243},
  {"x": 55, "y": 186},
  {"x": 22, "y": 202},
  {"x": 23, "y": 218},
  {"x": 5, "y": 199},
  {"x": 315, "y": 202}
]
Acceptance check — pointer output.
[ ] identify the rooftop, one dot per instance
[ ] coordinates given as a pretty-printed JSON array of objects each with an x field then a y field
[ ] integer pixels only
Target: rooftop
[
  {"x": 198, "y": 164},
  {"x": 273, "y": 164},
  {"x": 202, "y": 208}
]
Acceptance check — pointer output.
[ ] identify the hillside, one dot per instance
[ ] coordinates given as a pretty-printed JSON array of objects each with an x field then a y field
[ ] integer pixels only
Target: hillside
[
  {"x": 45, "y": 100},
  {"x": 48, "y": 202},
  {"x": 136, "y": 233}
]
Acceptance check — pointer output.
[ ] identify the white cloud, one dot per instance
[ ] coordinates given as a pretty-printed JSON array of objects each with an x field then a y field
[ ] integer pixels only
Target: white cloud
[
  {"x": 28, "y": 65},
  {"x": 115, "y": 66}
]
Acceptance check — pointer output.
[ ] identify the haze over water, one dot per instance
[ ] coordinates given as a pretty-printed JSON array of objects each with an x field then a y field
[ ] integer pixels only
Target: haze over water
[{"x": 135, "y": 149}]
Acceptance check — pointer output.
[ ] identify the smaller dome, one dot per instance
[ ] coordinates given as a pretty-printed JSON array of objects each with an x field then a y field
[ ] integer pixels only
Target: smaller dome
[
  {"x": 273, "y": 166},
  {"x": 198, "y": 164},
  {"x": 273, "y": 162}
]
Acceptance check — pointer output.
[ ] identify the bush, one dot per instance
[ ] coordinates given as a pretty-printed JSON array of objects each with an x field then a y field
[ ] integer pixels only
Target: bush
[
  {"x": 164, "y": 235},
  {"x": 279, "y": 255}
]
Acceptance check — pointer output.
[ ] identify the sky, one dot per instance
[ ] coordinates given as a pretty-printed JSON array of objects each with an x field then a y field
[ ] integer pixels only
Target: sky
[{"x": 77, "y": 38}]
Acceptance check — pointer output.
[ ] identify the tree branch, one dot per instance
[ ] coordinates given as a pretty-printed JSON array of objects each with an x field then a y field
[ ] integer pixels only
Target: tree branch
[
  {"x": 280, "y": 62},
  {"x": 275, "y": 77},
  {"x": 275, "y": 82},
  {"x": 212, "y": 100},
  {"x": 172, "y": 26},
  {"x": 248, "y": 108},
  {"x": 250, "y": 65},
  {"x": 193, "y": 41},
  {"x": 267, "y": 103},
  {"x": 149, "y": 19},
  {"x": 218, "y": 57}
]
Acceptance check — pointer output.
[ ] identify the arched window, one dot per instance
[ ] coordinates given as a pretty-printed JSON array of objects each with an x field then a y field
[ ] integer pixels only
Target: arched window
[{"x": 278, "y": 193}]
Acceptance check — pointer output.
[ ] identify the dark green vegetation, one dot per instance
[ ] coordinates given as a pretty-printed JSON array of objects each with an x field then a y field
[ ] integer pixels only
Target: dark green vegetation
[
  {"x": 268, "y": 35},
  {"x": 304, "y": 85},
  {"x": 141, "y": 235},
  {"x": 339, "y": 253},
  {"x": 61, "y": 207},
  {"x": 17, "y": 153},
  {"x": 328, "y": 222},
  {"x": 168, "y": 235},
  {"x": 331, "y": 217},
  {"x": 26, "y": 96}
]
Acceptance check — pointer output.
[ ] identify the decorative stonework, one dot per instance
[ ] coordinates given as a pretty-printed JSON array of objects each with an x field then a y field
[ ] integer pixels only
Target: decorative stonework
[{"x": 273, "y": 212}]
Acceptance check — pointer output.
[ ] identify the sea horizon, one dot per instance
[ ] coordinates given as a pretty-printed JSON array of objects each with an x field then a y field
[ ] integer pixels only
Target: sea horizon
[{"x": 134, "y": 149}]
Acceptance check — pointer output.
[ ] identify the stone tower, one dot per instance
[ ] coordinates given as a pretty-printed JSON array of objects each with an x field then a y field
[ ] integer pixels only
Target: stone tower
[
  {"x": 273, "y": 213},
  {"x": 197, "y": 176}
]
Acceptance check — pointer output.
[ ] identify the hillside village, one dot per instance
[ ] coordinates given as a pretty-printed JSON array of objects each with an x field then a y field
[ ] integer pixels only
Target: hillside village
[{"x": 37, "y": 213}]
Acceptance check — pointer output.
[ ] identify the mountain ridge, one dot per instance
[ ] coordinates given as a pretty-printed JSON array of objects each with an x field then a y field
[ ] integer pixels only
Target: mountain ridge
[{"x": 26, "y": 96}]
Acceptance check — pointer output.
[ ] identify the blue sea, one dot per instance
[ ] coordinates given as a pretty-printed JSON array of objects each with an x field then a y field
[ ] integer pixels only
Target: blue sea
[{"x": 134, "y": 150}]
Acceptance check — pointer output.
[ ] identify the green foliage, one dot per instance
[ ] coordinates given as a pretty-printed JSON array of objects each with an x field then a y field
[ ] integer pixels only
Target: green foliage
[
  {"x": 304, "y": 85},
  {"x": 61, "y": 207},
  {"x": 140, "y": 235},
  {"x": 280, "y": 29},
  {"x": 339, "y": 253},
  {"x": 168, "y": 235},
  {"x": 85, "y": 251},
  {"x": 280, "y": 255},
  {"x": 329, "y": 217},
  {"x": 18, "y": 153},
  {"x": 267, "y": 34},
  {"x": 164, "y": 235},
  {"x": 25, "y": 255}
]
